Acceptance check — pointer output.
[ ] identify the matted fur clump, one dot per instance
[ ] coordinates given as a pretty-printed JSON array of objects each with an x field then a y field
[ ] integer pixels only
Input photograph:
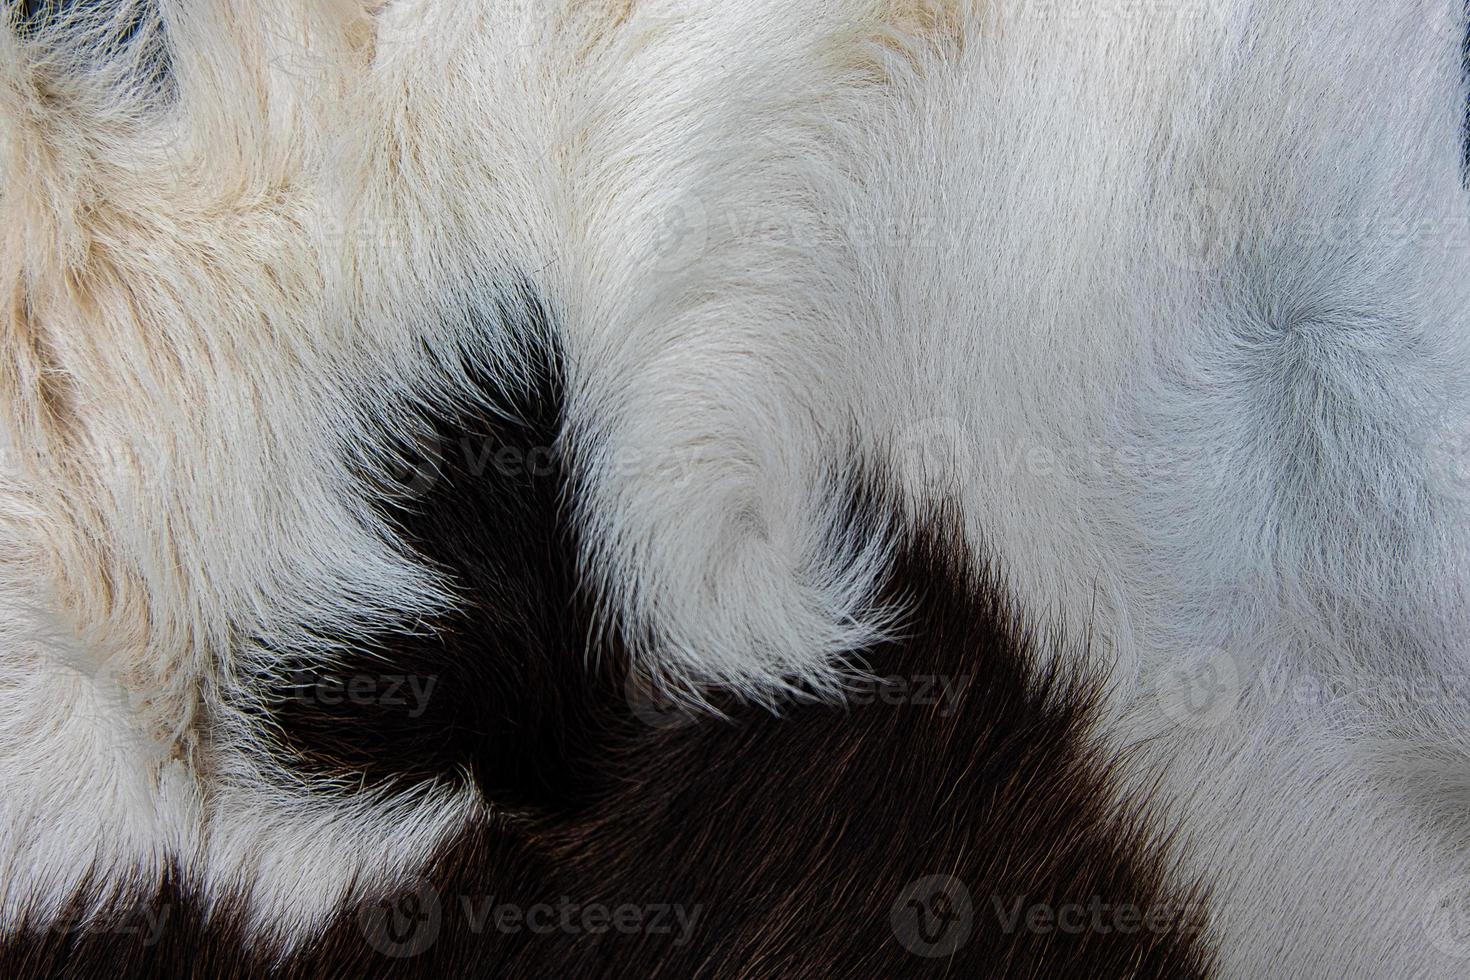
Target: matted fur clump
[{"x": 785, "y": 488}]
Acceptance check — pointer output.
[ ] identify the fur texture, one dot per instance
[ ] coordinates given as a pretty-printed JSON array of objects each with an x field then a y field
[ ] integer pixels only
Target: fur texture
[
  {"x": 518, "y": 348},
  {"x": 986, "y": 787}
]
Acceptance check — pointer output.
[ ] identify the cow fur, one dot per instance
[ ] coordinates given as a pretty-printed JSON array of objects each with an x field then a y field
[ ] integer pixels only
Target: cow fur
[{"x": 637, "y": 376}]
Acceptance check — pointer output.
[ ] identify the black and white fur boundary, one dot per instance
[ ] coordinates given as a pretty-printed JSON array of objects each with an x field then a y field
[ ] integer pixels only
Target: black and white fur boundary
[{"x": 465, "y": 466}]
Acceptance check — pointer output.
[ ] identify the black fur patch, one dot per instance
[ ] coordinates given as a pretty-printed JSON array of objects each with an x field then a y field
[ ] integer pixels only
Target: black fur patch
[{"x": 504, "y": 689}]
